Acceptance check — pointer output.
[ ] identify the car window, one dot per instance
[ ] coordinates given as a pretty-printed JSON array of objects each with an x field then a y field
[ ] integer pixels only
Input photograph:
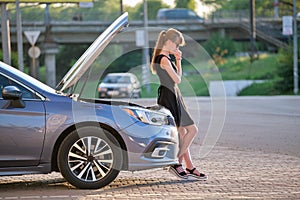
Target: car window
[
  {"x": 110, "y": 79},
  {"x": 116, "y": 79},
  {"x": 6, "y": 82},
  {"x": 174, "y": 14},
  {"x": 124, "y": 79},
  {"x": 192, "y": 15}
]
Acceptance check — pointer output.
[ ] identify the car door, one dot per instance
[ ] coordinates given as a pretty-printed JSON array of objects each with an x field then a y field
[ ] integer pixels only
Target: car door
[{"x": 22, "y": 130}]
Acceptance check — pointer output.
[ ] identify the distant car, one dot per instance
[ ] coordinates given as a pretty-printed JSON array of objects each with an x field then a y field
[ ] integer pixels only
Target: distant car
[
  {"x": 177, "y": 14},
  {"x": 120, "y": 85},
  {"x": 89, "y": 141}
]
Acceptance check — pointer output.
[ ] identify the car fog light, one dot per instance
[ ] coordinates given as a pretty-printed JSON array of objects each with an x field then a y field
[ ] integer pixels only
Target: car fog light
[{"x": 159, "y": 152}]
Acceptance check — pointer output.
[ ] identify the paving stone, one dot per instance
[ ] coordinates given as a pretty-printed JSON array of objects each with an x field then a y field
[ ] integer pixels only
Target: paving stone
[{"x": 233, "y": 174}]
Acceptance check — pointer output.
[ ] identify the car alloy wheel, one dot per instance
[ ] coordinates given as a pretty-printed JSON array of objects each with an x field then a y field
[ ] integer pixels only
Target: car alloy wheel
[{"x": 90, "y": 157}]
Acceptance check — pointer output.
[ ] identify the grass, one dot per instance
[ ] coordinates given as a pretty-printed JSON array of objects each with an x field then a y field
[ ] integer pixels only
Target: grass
[
  {"x": 235, "y": 68},
  {"x": 241, "y": 68},
  {"x": 265, "y": 88},
  {"x": 265, "y": 68}
]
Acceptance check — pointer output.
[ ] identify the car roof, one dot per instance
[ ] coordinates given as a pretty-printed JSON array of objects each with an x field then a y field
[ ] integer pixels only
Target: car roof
[
  {"x": 120, "y": 74},
  {"x": 177, "y": 14}
]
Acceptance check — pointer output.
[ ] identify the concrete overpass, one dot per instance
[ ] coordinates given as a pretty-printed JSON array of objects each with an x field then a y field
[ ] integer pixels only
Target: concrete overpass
[{"x": 83, "y": 32}]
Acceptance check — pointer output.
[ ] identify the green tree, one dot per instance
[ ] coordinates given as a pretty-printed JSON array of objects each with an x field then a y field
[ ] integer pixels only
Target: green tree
[
  {"x": 136, "y": 13},
  {"x": 263, "y": 7},
  {"x": 218, "y": 46},
  {"x": 191, "y": 4},
  {"x": 66, "y": 57},
  {"x": 103, "y": 10},
  {"x": 285, "y": 83},
  {"x": 14, "y": 58}
]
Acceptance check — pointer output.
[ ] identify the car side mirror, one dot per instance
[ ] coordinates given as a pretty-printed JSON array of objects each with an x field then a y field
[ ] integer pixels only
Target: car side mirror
[{"x": 13, "y": 94}]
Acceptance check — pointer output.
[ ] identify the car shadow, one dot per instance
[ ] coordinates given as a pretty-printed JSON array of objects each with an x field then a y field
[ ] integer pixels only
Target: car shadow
[
  {"x": 26, "y": 184},
  {"x": 59, "y": 187},
  {"x": 62, "y": 184}
]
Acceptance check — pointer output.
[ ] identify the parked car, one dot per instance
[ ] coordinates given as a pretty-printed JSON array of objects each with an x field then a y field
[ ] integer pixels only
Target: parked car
[
  {"x": 120, "y": 85},
  {"x": 177, "y": 14},
  {"x": 88, "y": 140}
]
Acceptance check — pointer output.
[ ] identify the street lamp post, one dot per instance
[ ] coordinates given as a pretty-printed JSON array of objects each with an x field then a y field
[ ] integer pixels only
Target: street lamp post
[
  {"x": 6, "y": 48},
  {"x": 19, "y": 37},
  {"x": 146, "y": 50},
  {"x": 295, "y": 50},
  {"x": 253, "y": 53}
]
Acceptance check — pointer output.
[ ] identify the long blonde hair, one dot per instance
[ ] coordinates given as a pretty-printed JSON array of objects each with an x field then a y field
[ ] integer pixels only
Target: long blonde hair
[{"x": 171, "y": 34}]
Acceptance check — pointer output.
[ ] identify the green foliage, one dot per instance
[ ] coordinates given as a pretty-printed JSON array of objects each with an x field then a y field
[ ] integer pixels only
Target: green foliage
[
  {"x": 126, "y": 62},
  {"x": 235, "y": 5},
  {"x": 136, "y": 13},
  {"x": 219, "y": 47},
  {"x": 241, "y": 68},
  {"x": 266, "y": 88},
  {"x": 66, "y": 57},
  {"x": 262, "y": 7},
  {"x": 191, "y": 4},
  {"x": 262, "y": 69},
  {"x": 276, "y": 70},
  {"x": 14, "y": 58},
  {"x": 31, "y": 12},
  {"x": 285, "y": 82},
  {"x": 103, "y": 10}
]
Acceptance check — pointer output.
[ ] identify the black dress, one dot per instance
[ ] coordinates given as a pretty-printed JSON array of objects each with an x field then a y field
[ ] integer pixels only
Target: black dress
[{"x": 169, "y": 95}]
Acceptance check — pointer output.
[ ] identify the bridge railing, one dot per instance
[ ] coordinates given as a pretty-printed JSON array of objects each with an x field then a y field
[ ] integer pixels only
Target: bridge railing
[{"x": 239, "y": 15}]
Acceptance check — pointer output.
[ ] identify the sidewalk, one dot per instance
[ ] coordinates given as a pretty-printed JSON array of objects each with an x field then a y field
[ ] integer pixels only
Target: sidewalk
[{"x": 233, "y": 174}]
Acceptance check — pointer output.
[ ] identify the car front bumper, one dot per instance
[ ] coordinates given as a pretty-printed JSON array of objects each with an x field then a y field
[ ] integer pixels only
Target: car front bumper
[{"x": 158, "y": 150}]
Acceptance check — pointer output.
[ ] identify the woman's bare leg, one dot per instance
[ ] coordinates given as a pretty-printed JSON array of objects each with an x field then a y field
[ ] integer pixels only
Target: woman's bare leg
[
  {"x": 188, "y": 162},
  {"x": 188, "y": 159},
  {"x": 186, "y": 156},
  {"x": 187, "y": 135}
]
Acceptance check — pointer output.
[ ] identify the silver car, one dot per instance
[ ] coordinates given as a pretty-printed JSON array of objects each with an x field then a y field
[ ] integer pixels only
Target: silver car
[
  {"x": 88, "y": 140},
  {"x": 119, "y": 85}
]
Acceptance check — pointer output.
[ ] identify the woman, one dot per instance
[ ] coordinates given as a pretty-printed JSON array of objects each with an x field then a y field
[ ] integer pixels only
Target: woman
[{"x": 169, "y": 96}]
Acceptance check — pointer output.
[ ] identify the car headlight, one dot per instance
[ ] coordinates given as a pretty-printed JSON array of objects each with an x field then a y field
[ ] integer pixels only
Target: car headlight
[
  {"x": 147, "y": 116},
  {"x": 101, "y": 89}
]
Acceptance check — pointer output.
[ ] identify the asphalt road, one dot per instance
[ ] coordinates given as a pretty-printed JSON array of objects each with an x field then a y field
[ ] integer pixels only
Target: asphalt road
[
  {"x": 269, "y": 124},
  {"x": 248, "y": 146}
]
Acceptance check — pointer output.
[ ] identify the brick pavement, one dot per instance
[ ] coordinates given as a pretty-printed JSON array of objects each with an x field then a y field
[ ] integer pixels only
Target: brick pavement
[{"x": 233, "y": 174}]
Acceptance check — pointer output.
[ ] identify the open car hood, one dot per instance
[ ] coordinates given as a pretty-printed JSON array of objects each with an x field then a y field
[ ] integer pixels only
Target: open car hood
[{"x": 89, "y": 56}]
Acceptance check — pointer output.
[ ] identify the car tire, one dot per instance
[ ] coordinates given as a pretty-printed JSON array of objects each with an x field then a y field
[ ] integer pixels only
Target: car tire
[{"x": 90, "y": 157}]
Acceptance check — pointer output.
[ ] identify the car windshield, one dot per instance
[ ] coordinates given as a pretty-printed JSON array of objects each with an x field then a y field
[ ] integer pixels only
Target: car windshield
[{"x": 116, "y": 79}]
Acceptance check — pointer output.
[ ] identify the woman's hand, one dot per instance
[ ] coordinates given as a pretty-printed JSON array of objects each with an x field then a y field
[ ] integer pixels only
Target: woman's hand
[
  {"x": 178, "y": 57},
  {"x": 178, "y": 54}
]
